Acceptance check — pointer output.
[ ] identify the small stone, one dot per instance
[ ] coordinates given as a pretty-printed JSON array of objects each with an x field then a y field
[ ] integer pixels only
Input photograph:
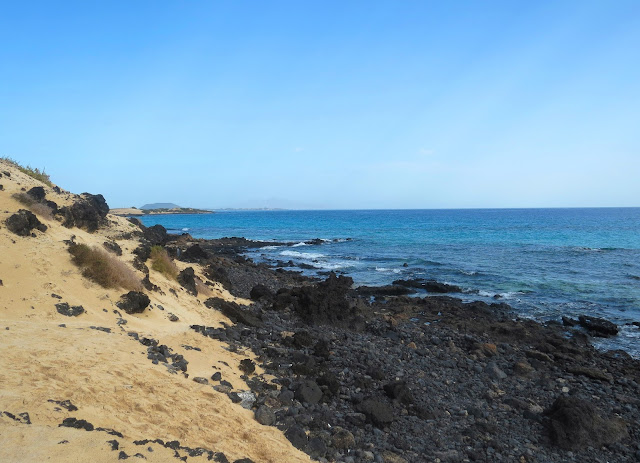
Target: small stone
[
  {"x": 217, "y": 376},
  {"x": 265, "y": 416},
  {"x": 343, "y": 439},
  {"x": 494, "y": 372},
  {"x": 200, "y": 380}
]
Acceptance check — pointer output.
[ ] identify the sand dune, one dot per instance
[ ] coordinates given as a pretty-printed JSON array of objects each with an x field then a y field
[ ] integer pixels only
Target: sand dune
[{"x": 46, "y": 357}]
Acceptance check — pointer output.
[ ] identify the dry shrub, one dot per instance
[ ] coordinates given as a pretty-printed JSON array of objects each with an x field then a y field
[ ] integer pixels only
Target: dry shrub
[
  {"x": 39, "y": 209},
  {"x": 30, "y": 171},
  {"x": 161, "y": 262},
  {"x": 104, "y": 269}
]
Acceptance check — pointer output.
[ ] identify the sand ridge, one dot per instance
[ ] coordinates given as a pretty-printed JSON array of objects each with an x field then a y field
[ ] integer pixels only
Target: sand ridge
[{"x": 45, "y": 356}]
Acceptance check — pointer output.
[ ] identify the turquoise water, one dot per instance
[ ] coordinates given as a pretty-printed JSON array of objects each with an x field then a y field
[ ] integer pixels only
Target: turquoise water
[{"x": 544, "y": 262}]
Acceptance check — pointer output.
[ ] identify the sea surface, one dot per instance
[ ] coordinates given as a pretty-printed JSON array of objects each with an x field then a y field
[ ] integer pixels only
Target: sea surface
[{"x": 544, "y": 262}]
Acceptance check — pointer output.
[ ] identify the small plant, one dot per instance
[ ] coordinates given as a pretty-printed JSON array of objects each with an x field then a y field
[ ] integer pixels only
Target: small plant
[
  {"x": 30, "y": 171},
  {"x": 104, "y": 269},
  {"x": 162, "y": 263},
  {"x": 39, "y": 209}
]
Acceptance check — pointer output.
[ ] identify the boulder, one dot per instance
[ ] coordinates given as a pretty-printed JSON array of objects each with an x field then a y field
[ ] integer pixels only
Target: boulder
[
  {"x": 265, "y": 415},
  {"x": 377, "y": 412},
  {"x": 37, "y": 193},
  {"x": 23, "y": 222},
  {"x": 598, "y": 326},
  {"x": 309, "y": 392},
  {"x": 69, "y": 311},
  {"x": 156, "y": 235},
  {"x": 133, "y": 302},
  {"x": 194, "y": 254},
  {"x": 88, "y": 213},
  {"x": 260, "y": 291},
  {"x": 187, "y": 280},
  {"x": 575, "y": 424},
  {"x": 234, "y": 312}
]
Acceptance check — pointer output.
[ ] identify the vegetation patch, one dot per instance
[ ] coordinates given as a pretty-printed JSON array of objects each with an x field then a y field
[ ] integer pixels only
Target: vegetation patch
[
  {"x": 39, "y": 209},
  {"x": 162, "y": 263},
  {"x": 30, "y": 171},
  {"x": 106, "y": 270}
]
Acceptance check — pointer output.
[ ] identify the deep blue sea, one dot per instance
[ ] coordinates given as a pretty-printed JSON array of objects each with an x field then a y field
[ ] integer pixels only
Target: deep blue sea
[{"x": 544, "y": 262}]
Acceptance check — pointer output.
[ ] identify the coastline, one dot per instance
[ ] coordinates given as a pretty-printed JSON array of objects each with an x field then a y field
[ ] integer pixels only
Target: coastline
[{"x": 232, "y": 360}]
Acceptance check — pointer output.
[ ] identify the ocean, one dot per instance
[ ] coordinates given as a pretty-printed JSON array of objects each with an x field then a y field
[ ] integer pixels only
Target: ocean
[{"x": 543, "y": 262}]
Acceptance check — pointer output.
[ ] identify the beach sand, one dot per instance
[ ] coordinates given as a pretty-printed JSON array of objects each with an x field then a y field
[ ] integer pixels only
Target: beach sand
[{"x": 107, "y": 375}]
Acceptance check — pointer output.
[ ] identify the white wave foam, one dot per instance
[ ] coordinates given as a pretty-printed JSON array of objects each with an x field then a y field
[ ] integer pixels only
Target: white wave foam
[
  {"x": 387, "y": 270},
  {"x": 302, "y": 255},
  {"x": 185, "y": 229},
  {"x": 269, "y": 247},
  {"x": 485, "y": 293},
  {"x": 470, "y": 273},
  {"x": 302, "y": 243}
]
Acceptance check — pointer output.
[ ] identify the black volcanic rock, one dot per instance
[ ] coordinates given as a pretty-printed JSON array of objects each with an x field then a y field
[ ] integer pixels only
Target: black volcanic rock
[
  {"x": 22, "y": 222},
  {"x": 388, "y": 290},
  {"x": 69, "y": 311},
  {"x": 88, "y": 213},
  {"x": 431, "y": 286},
  {"x": 234, "y": 312},
  {"x": 261, "y": 291},
  {"x": 325, "y": 302},
  {"x": 156, "y": 235},
  {"x": 133, "y": 302},
  {"x": 576, "y": 423},
  {"x": 377, "y": 412},
  {"x": 37, "y": 193},
  {"x": 187, "y": 280},
  {"x": 598, "y": 326},
  {"x": 194, "y": 253}
]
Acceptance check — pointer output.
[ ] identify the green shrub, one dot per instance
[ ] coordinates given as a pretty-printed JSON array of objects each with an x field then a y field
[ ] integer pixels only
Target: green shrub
[
  {"x": 30, "y": 171},
  {"x": 161, "y": 262},
  {"x": 104, "y": 269}
]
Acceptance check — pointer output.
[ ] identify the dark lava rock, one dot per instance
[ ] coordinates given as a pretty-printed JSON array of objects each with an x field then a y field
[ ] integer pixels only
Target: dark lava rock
[
  {"x": 389, "y": 290},
  {"x": 37, "y": 193},
  {"x": 399, "y": 391},
  {"x": 377, "y": 412},
  {"x": 261, "y": 291},
  {"x": 113, "y": 247},
  {"x": 194, "y": 254},
  {"x": 598, "y": 326},
  {"x": 244, "y": 460},
  {"x": 219, "y": 274},
  {"x": 265, "y": 415},
  {"x": 187, "y": 280},
  {"x": 325, "y": 302},
  {"x": 22, "y": 222},
  {"x": 156, "y": 235},
  {"x": 297, "y": 437},
  {"x": 309, "y": 392},
  {"x": 432, "y": 286},
  {"x": 343, "y": 439},
  {"x": 575, "y": 424},
  {"x": 217, "y": 376},
  {"x": 70, "y": 311},
  {"x": 66, "y": 404},
  {"x": 234, "y": 312},
  {"x": 133, "y": 302},
  {"x": 201, "y": 380},
  {"x": 88, "y": 213},
  {"x": 247, "y": 366},
  {"x": 146, "y": 283},
  {"x": 77, "y": 424},
  {"x": 143, "y": 252}
]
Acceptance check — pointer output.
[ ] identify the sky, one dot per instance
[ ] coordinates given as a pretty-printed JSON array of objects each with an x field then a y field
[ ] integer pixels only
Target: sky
[{"x": 327, "y": 104}]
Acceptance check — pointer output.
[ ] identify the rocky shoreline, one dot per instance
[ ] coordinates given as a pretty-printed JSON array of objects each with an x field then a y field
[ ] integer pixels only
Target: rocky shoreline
[{"x": 374, "y": 375}]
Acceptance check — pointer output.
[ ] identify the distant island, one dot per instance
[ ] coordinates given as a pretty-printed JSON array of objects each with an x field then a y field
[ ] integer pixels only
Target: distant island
[{"x": 157, "y": 209}]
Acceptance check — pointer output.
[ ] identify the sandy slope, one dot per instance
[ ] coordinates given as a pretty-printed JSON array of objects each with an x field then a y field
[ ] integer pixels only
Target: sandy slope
[{"x": 107, "y": 375}]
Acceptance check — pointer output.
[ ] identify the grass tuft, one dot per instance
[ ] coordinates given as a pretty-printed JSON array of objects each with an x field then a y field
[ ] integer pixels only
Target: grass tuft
[
  {"x": 39, "y": 209},
  {"x": 104, "y": 269},
  {"x": 30, "y": 171},
  {"x": 161, "y": 262}
]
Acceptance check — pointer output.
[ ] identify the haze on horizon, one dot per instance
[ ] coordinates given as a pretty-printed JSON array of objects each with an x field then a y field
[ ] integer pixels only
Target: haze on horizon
[{"x": 329, "y": 104}]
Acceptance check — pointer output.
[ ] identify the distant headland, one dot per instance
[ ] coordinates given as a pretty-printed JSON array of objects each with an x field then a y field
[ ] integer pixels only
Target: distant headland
[{"x": 158, "y": 208}]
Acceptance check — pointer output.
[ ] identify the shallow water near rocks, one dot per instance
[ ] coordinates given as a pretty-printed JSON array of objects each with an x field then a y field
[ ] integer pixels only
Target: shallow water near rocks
[{"x": 544, "y": 262}]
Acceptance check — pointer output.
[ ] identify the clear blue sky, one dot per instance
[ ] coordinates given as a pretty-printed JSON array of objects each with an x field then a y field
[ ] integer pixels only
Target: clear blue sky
[{"x": 323, "y": 104}]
